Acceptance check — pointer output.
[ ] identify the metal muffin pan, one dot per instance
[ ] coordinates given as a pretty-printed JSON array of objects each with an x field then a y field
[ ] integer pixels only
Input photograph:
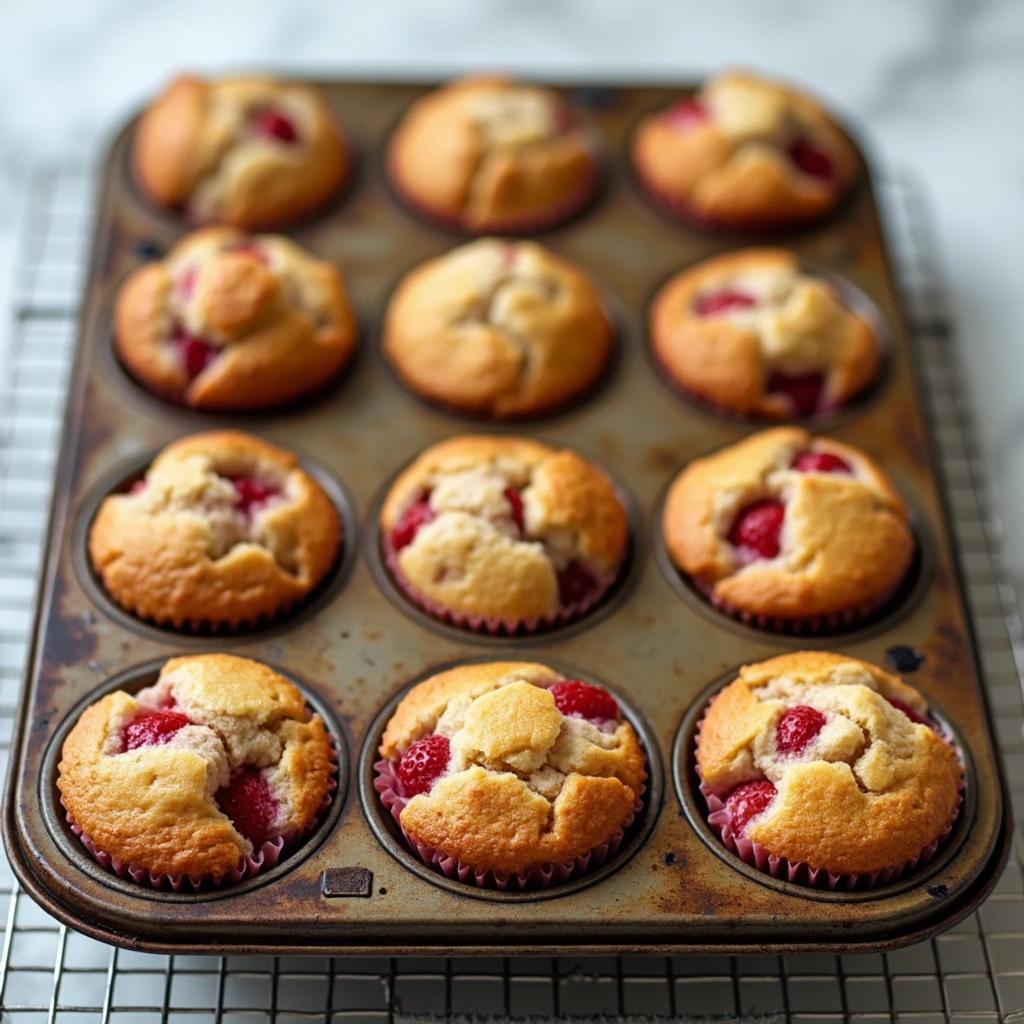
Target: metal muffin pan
[{"x": 356, "y": 648}]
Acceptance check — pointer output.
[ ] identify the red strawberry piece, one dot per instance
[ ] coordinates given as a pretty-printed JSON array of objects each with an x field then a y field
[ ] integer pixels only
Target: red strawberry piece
[
  {"x": 423, "y": 764},
  {"x": 821, "y": 462},
  {"x": 137, "y": 487},
  {"x": 583, "y": 700},
  {"x": 747, "y": 802},
  {"x": 515, "y": 501},
  {"x": 913, "y": 715},
  {"x": 723, "y": 301},
  {"x": 273, "y": 124},
  {"x": 802, "y": 389},
  {"x": 575, "y": 583},
  {"x": 811, "y": 159},
  {"x": 797, "y": 727},
  {"x": 250, "y": 805},
  {"x": 252, "y": 492},
  {"x": 413, "y": 518},
  {"x": 153, "y": 730},
  {"x": 508, "y": 254},
  {"x": 686, "y": 114},
  {"x": 757, "y": 528},
  {"x": 196, "y": 353}
]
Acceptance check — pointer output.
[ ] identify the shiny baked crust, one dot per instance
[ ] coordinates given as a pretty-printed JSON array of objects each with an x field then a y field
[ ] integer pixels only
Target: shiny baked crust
[
  {"x": 180, "y": 552},
  {"x": 871, "y": 790},
  {"x": 733, "y": 167},
  {"x": 798, "y": 326},
  {"x": 845, "y": 541},
  {"x": 526, "y": 785},
  {"x": 471, "y": 558},
  {"x": 154, "y": 806},
  {"x": 195, "y": 149},
  {"x": 491, "y": 154},
  {"x": 503, "y": 328},
  {"x": 278, "y": 320}
]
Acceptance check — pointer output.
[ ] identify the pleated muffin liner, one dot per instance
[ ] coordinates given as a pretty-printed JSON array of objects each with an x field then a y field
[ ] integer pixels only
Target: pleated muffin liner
[
  {"x": 813, "y": 625},
  {"x": 263, "y": 859},
  {"x": 493, "y": 624},
  {"x": 754, "y": 227},
  {"x": 526, "y": 224},
  {"x": 720, "y": 818},
  {"x": 388, "y": 787}
]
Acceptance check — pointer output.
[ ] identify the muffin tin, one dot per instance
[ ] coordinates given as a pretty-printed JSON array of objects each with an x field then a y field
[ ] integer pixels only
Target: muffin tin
[{"x": 357, "y": 646}]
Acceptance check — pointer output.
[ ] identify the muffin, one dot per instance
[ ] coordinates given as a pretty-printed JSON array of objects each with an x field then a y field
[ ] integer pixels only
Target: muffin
[
  {"x": 224, "y": 531},
  {"x": 510, "y": 774},
  {"x": 826, "y": 770},
  {"x": 790, "y": 533},
  {"x": 249, "y": 151},
  {"x": 231, "y": 322},
  {"x": 498, "y": 328},
  {"x": 745, "y": 154},
  {"x": 502, "y": 534},
  {"x": 750, "y": 334},
  {"x": 492, "y": 155},
  {"x": 204, "y": 777}
]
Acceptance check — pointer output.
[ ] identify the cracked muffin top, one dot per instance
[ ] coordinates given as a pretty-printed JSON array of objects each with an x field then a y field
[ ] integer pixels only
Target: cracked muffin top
[
  {"x": 787, "y": 525},
  {"x": 490, "y": 154},
  {"x": 829, "y": 761},
  {"x": 197, "y": 771},
  {"x": 745, "y": 153},
  {"x": 228, "y": 321},
  {"x": 504, "y": 528},
  {"x": 509, "y": 766},
  {"x": 223, "y": 530},
  {"x": 250, "y": 151},
  {"x": 751, "y": 334},
  {"x": 502, "y": 328}
]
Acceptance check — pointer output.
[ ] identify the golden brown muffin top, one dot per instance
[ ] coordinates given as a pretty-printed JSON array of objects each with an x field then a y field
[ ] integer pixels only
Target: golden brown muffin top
[
  {"x": 526, "y": 784},
  {"x": 862, "y": 781}
]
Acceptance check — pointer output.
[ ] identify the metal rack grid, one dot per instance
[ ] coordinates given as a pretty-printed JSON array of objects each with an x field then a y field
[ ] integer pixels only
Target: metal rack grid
[{"x": 975, "y": 972}]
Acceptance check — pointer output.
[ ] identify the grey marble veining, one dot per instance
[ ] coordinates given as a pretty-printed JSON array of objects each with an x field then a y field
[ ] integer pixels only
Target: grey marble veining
[{"x": 937, "y": 86}]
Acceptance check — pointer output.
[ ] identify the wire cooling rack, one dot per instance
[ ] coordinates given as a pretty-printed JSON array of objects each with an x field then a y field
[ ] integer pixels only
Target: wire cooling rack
[{"x": 975, "y": 972}]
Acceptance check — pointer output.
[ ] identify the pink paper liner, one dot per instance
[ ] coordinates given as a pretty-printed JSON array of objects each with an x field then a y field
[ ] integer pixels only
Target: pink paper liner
[
  {"x": 800, "y": 872},
  {"x": 266, "y": 857},
  {"x": 815, "y": 625},
  {"x": 548, "y": 217},
  {"x": 494, "y": 624},
  {"x": 755, "y": 227},
  {"x": 388, "y": 786}
]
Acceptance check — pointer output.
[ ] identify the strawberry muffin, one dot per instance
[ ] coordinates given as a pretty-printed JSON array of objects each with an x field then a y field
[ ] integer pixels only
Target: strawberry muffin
[
  {"x": 503, "y": 534},
  {"x": 790, "y": 533},
  {"x": 745, "y": 154},
  {"x": 828, "y": 771},
  {"x": 223, "y": 531},
  {"x": 499, "y": 328},
  {"x": 509, "y": 775},
  {"x": 751, "y": 334},
  {"x": 232, "y": 322},
  {"x": 493, "y": 155},
  {"x": 204, "y": 777},
  {"x": 249, "y": 151}
]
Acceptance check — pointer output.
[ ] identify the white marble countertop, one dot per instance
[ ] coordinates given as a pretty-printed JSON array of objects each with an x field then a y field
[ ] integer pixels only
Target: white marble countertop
[{"x": 936, "y": 85}]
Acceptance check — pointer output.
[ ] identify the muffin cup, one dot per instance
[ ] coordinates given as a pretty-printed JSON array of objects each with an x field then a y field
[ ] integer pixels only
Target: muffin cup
[
  {"x": 495, "y": 625},
  {"x": 753, "y": 227},
  {"x": 816, "y": 625},
  {"x": 388, "y": 787},
  {"x": 720, "y": 819},
  {"x": 551, "y": 216},
  {"x": 263, "y": 859}
]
